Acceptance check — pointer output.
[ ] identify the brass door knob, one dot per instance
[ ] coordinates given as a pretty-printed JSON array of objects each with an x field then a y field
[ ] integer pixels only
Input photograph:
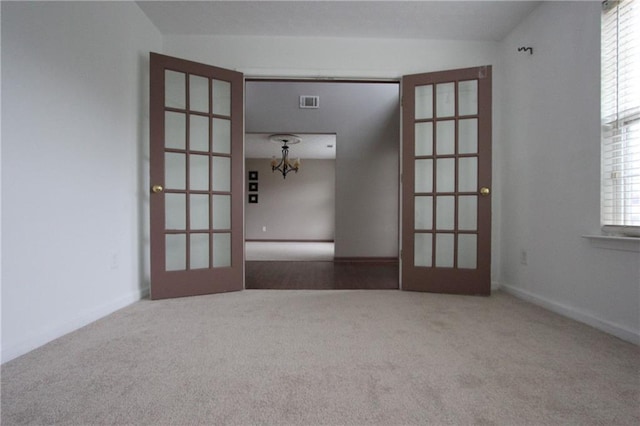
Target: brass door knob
[
  {"x": 157, "y": 189},
  {"x": 485, "y": 191}
]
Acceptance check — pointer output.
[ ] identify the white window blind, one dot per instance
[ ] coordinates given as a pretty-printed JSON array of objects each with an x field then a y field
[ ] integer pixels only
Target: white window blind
[{"x": 620, "y": 113}]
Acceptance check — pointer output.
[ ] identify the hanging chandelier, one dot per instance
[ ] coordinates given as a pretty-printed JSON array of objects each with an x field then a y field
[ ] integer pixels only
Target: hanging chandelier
[{"x": 284, "y": 165}]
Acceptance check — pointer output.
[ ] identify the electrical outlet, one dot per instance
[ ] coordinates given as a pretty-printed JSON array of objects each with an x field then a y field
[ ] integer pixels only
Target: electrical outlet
[
  {"x": 264, "y": 229},
  {"x": 523, "y": 257}
]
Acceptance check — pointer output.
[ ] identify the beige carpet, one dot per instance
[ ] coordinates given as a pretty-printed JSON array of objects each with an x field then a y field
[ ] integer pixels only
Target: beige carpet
[{"x": 328, "y": 357}]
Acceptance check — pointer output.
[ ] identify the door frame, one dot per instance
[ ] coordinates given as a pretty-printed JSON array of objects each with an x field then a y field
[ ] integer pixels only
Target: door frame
[{"x": 398, "y": 81}]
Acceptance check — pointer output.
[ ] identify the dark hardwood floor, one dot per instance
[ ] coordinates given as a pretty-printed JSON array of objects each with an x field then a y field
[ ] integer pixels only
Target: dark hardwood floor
[{"x": 321, "y": 275}]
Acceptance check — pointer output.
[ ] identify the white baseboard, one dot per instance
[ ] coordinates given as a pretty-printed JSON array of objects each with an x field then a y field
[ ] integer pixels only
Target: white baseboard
[
  {"x": 42, "y": 337},
  {"x": 495, "y": 285},
  {"x": 576, "y": 314}
]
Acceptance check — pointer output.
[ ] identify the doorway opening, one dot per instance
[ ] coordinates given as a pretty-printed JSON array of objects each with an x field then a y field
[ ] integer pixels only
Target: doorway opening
[
  {"x": 348, "y": 238},
  {"x": 290, "y": 212}
]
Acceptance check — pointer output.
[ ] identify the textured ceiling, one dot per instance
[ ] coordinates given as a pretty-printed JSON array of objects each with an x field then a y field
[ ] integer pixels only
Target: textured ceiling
[{"x": 455, "y": 20}]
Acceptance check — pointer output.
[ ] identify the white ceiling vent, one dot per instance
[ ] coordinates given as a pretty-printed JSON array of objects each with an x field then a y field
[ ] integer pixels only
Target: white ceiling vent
[{"x": 309, "y": 101}]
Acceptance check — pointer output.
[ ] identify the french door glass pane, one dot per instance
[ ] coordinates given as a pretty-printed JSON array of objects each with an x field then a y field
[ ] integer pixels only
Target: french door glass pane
[
  {"x": 221, "y": 136},
  {"x": 424, "y": 102},
  {"x": 445, "y": 100},
  {"x": 423, "y": 212},
  {"x": 221, "y": 176},
  {"x": 445, "y": 174},
  {"x": 444, "y": 250},
  {"x": 445, "y": 210},
  {"x": 468, "y": 174},
  {"x": 175, "y": 170},
  {"x": 198, "y": 93},
  {"x": 175, "y": 125},
  {"x": 199, "y": 172},
  {"x": 424, "y": 139},
  {"x": 199, "y": 253},
  {"x": 424, "y": 175},
  {"x": 175, "y": 252},
  {"x": 221, "y": 211},
  {"x": 422, "y": 249},
  {"x": 221, "y": 250},
  {"x": 468, "y": 212},
  {"x": 221, "y": 97},
  {"x": 174, "y": 90},
  {"x": 468, "y": 136},
  {"x": 199, "y": 211},
  {"x": 468, "y": 97},
  {"x": 467, "y": 251},
  {"x": 175, "y": 211},
  {"x": 445, "y": 137},
  {"x": 198, "y": 133}
]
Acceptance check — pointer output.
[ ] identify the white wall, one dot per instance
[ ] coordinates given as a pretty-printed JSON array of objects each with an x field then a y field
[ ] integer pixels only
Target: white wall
[
  {"x": 300, "y": 207},
  {"x": 75, "y": 119},
  {"x": 550, "y": 182},
  {"x": 0, "y": 188}
]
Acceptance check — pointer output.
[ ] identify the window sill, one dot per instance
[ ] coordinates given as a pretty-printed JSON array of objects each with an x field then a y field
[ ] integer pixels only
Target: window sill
[{"x": 614, "y": 242}]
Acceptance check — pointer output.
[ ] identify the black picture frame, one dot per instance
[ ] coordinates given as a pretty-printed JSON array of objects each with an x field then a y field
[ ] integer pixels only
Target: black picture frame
[
  {"x": 253, "y": 186},
  {"x": 253, "y": 198},
  {"x": 253, "y": 175}
]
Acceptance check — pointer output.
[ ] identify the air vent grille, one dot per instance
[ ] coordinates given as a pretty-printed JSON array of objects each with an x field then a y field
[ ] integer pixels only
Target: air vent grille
[{"x": 309, "y": 101}]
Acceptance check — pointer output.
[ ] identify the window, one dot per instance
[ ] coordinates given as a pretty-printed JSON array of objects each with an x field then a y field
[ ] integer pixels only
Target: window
[{"x": 620, "y": 114}]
